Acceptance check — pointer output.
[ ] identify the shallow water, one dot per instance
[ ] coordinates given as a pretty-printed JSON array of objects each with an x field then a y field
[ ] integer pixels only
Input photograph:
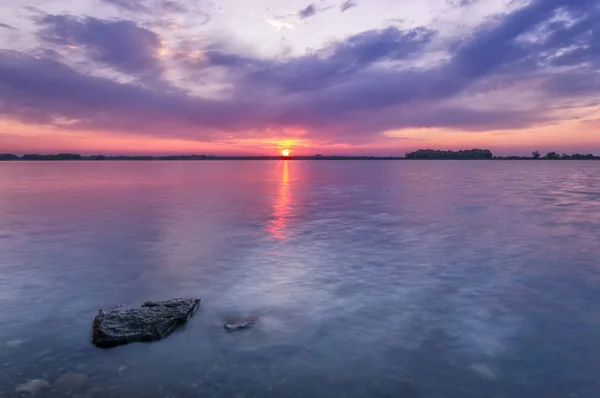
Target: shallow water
[{"x": 370, "y": 278}]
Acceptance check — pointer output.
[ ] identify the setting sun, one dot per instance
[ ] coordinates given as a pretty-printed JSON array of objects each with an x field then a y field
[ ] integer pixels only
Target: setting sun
[{"x": 285, "y": 152}]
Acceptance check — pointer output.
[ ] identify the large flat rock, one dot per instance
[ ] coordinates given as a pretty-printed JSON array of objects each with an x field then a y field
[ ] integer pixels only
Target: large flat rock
[{"x": 154, "y": 320}]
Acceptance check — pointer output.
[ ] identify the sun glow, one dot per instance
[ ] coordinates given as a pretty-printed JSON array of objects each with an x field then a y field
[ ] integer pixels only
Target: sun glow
[{"x": 285, "y": 152}]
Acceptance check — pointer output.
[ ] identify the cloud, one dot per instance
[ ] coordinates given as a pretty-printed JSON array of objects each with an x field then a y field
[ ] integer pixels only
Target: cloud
[
  {"x": 291, "y": 20},
  {"x": 34, "y": 90},
  {"x": 310, "y": 11},
  {"x": 5, "y": 26},
  {"x": 279, "y": 24},
  {"x": 40, "y": 91},
  {"x": 129, "y": 5},
  {"x": 348, "y": 4},
  {"x": 333, "y": 64},
  {"x": 120, "y": 44},
  {"x": 172, "y": 6},
  {"x": 349, "y": 91},
  {"x": 34, "y": 10},
  {"x": 461, "y": 3},
  {"x": 578, "y": 41},
  {"x": 157, "y": 7},
  {"x": 307, "y": 12}
]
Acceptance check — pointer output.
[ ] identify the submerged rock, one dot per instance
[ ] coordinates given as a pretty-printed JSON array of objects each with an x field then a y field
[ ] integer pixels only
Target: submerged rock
[
  {"x": 33, "y": 387},
  {"x": 240, "y": 324},
  {"x": 154, "y": 320}
]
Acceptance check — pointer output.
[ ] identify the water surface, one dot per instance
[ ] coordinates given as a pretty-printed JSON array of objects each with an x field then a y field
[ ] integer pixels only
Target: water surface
[{"x": 371, "y": 278}]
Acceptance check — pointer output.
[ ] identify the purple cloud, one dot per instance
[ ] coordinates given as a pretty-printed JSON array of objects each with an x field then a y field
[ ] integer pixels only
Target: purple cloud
[
  {"x": 121, "y": 44},
  {"x": 172, "y": 6},
  {"x": 40, "y": 90},
  {"x": 5, "y": 26},
  {"x": 349, "y": 91},
  {"x": 307, "y": 12},
  {"x": 150, "y": 7},
  {"x": 129, "y": 5},
  {"x": 461, "y": 3},
  {"x": 329, "y": 66},
  {"x": 348, "y": 4}
]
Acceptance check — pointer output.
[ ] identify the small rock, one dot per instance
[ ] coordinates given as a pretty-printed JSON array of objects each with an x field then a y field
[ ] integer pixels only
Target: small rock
[
  {"x": 70, "y": 382},
  {"x": 33, "y": 387},
  {"x": 484, "y": 371},
  {"x": 194, "y": 385},
  {"x": 122, "y": 368},
  {"x": 240, "y": 324},
  {"x": 154, "y": 320}
]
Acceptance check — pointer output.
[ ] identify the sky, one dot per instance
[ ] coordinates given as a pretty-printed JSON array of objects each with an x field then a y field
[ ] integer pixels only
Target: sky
[{"x": 357, "y": 77}]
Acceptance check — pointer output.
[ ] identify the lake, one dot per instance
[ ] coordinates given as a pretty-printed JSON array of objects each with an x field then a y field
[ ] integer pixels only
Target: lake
[{"x": 406, "y": 279}]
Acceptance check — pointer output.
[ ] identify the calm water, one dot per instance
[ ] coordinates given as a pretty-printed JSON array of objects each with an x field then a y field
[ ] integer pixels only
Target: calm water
[{"x": 372, "y": 279}]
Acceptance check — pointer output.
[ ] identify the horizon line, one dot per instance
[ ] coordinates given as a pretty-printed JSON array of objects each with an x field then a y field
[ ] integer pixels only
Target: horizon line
[
  {"x": 422, "y": 154},
  {"x": 138, "y": 155}
]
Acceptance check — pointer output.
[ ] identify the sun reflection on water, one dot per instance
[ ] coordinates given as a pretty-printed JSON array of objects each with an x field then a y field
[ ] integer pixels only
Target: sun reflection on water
[{"x": 281, "y": 206}]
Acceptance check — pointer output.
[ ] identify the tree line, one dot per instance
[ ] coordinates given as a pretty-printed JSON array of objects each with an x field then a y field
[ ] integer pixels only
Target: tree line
[
  {"x": 536, "y": 155},
  {"x": 468, "y": 154},
  {"x": 481, "y": 154},
  {"x": 427, "y": 154},
  {"x": 74, "y": 156}
]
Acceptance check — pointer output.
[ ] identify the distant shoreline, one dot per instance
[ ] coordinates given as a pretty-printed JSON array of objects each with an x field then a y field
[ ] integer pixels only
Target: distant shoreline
[
  {"x": 49, "y": 158},
  {"x": 421, "y": 154},
  {"x": 275, "y": 158}
]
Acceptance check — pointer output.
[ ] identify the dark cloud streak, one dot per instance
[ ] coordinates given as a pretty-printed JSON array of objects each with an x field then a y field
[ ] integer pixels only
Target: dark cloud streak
[
  {"x": 307, "y": 12},
  {"x": 348, "y": 4},
  {"x": 461, "y": 3},
  {"x": 5, "y": 26},
  {"x": 156, "y": 7},
  {"x": 332, "y": 65},
  {"x": 121, "y": 44},
  {"x": 129, "y": 5}
]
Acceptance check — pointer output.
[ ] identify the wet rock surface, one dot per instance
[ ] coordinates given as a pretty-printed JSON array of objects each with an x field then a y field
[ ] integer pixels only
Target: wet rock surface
[
  {"x": 240, "y": 324},
  {"x": 154, "y": 320}
]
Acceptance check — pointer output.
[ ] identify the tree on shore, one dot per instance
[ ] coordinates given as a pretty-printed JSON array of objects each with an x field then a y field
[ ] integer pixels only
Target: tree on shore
[
  {"x": 8, "y": 156},
  {"x": 60, "y": 156},
  {"x": 457, "y": 155}
]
